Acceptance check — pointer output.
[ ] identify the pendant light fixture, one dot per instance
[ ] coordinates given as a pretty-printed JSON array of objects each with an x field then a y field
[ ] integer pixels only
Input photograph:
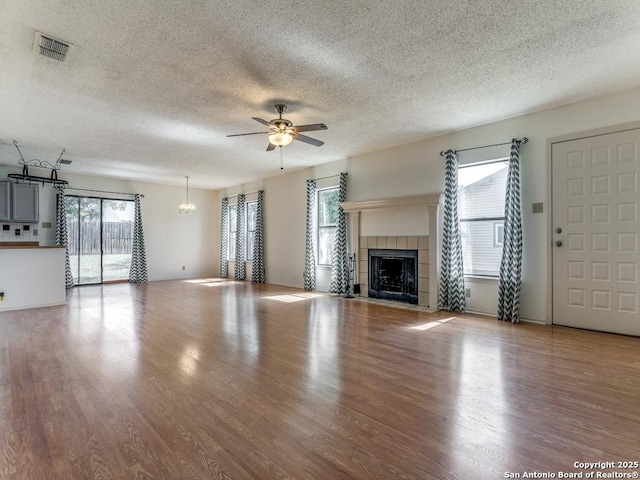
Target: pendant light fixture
[{"x": 186, "y": 207}]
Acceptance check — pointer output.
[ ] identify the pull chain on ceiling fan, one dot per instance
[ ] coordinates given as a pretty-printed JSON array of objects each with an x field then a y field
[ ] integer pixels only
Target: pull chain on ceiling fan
[{"x": 283, "y": 132}]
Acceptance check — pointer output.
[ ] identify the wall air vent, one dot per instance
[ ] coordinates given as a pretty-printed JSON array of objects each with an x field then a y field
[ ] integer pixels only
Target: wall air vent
[{"x": 51, "y": 47}]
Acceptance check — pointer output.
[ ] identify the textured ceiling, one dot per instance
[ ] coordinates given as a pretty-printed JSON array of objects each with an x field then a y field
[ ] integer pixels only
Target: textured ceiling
[{"x": 150, "y": 89}]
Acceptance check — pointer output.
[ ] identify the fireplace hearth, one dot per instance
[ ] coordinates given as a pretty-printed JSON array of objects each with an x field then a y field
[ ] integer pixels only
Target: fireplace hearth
[{"x": 393, "y": 275}]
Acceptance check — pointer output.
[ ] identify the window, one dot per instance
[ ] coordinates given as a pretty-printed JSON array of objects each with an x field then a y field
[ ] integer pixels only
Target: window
[
  {"x": 498, "y": 233},
  {"x": 233, "y": 228},
  {"x": 482, "y": 190},
  {"x": 327, "y": 222},
  {"x": 252, "y": 211}
]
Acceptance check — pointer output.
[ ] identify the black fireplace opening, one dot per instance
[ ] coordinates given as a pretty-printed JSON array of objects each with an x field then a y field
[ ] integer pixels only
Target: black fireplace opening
[{"x": 393, "y": 275}]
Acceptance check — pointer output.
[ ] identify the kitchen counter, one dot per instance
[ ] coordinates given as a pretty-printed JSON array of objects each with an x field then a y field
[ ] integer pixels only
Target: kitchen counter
[
  {"x": 31, "y": 275},
  {"x": 26, "y": 245}
]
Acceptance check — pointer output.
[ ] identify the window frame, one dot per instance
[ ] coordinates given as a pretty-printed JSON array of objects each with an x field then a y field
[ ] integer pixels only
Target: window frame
[
  {"x": 498, "y": 237},
  {"x": 498, "y": 221},
  {"x": 232, "y": 233},
  {"x": 319, "y": 227},
  {"x": 249, "y": 245},
  {"x": 231, "y": 247}
]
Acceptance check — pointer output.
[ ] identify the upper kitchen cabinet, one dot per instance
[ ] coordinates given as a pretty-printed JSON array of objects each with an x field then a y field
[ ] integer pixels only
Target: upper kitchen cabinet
[
  {"x": 5, "y": 201},
  {"x": 24, "y": 202}
]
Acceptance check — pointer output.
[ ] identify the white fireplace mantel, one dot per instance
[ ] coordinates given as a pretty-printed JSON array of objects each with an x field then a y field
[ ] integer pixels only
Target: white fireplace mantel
[{"x": 430, "y": 200}]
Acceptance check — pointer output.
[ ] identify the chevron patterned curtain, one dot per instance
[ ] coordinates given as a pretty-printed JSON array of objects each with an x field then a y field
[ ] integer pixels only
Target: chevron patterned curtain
[
  {"x": 309, "y": 249},
  {"x": 340, "y": 267},
  {"x": 451, "y": 293},
  {"x": 62, "y": 236},
  {"x": 138, "y": 270},
  {"x": 241, "y": 240},
  {"x": 511, "y": 264},
  {"x": 224, "y": 238},
  {"x": 257, "y": 272}
]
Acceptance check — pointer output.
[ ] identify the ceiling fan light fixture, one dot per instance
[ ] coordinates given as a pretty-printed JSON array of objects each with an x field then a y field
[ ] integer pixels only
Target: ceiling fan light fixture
[{"x": 280, "y": 139}]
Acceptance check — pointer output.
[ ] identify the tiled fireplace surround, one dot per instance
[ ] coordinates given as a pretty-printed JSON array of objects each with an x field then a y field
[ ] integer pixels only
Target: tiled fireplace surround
[
  {"x": 425, "y": 245},
  {"x": 411, "y": 242}
]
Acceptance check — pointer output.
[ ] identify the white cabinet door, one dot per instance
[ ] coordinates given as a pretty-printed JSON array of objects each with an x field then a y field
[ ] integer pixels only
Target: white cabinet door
[
  {"x": 5, "y": 212},
  {"x": 595, "y": 232},
  {"x": 24, "y": 203}
]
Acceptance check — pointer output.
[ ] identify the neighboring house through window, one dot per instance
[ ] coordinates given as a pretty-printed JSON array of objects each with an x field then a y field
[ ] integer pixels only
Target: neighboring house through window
[
  {"x": 481, "y": 198},
  {"x": 327, "y": 220}
]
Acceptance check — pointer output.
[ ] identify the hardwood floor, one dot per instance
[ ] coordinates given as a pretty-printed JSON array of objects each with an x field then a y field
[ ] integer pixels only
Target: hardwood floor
[{"x": 191, "y": 380}]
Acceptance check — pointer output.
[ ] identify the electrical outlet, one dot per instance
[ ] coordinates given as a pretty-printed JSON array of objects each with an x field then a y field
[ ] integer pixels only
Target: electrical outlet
[
  {"x": 537, "y": 207},
  {"x": 467, "y": 292}
]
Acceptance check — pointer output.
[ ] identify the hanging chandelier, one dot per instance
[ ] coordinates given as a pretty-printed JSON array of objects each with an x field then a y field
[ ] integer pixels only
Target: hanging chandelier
[{"x": 186, "y": 207}]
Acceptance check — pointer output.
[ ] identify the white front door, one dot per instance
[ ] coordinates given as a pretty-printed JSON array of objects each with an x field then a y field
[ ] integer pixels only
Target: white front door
[{"x": 595, "y": 232}]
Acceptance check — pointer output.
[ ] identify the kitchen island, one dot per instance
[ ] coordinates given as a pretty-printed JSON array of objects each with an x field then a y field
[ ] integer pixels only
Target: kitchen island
[{"x": 31, "y": 275}]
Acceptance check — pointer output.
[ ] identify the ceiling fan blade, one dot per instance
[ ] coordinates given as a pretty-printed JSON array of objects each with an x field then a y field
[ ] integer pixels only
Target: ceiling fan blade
[
  {"x": 262, "y": 121},
  {"x": 309, "y": 128},
  {"x": 271, "y": 147},
  {"x": 243, "y": 134},
  {"x": 309, "y": 140}
]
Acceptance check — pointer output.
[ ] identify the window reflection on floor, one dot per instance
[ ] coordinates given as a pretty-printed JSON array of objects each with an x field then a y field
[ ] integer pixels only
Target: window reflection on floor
[
  {"x": 106, "y": 332},
  {"x": 323, "y": 362},
  {"x": 240, "y": 328},
  {"x": 429, "y": 325},
  {"x": 481, "y": 406},
  {"x": 298, "y": 297},
  {"x": 210, "y": 282}
]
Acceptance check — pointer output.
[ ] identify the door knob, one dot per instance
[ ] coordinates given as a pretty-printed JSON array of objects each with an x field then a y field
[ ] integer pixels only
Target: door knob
[
  {"x": 558, "y": 230},
  {"x": 558, "y": 243}
]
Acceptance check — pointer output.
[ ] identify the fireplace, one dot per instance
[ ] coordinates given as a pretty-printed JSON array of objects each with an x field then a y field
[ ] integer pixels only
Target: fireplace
[
  {"x": 393, "y": 275},
  {"x": 397, "y": 223}
]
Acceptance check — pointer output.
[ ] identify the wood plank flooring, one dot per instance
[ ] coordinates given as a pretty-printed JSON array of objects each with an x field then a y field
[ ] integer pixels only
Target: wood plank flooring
[{"x": 227, "y": 380}]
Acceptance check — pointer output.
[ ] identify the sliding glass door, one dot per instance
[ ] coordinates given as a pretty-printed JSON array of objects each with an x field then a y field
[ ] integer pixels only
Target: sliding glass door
[{"x": 100, "y": 239}]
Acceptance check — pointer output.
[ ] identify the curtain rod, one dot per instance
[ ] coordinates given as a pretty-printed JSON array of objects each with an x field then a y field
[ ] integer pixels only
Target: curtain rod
[
  {"x": 245, "y": 194},
  {"x": 102, "y": 191},
  {"x": 324, "y": 178},
  {"x": 523, "y": 140}
]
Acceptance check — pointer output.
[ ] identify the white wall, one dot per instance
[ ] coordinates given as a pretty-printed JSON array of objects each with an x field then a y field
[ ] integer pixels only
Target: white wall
[
  {"x": 172, "y": 240},
  {"x": 418, "y": 168}
]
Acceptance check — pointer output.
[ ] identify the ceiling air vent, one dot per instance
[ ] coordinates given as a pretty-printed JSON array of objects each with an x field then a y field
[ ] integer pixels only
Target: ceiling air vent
[{"x": 51, "y": 47}]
